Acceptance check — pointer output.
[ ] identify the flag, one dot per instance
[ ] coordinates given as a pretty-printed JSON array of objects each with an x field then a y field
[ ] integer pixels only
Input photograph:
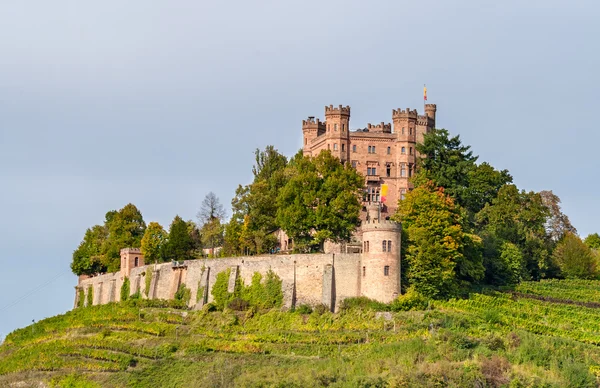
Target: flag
[
  {"x": 384, "y": 191},
  {"x": 424, "y": 93}
]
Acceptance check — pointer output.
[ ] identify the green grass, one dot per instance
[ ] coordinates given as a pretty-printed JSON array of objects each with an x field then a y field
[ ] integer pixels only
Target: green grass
[{"x": 488, "y": 340}]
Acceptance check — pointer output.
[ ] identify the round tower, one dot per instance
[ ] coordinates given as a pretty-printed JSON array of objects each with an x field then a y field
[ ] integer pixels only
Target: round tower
[
  {"x": 380, "y": 259},
  {"x": 337, "y": 121},
  {"x": 311, "y": 129},
  {"x": 430, "y": 110}
]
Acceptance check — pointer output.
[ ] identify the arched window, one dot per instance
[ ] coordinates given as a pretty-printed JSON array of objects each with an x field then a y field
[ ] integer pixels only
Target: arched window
[{"x": 136, "y": 262}]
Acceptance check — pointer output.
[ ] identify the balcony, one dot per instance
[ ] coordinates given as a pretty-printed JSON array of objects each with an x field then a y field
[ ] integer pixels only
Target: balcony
[{"x": 373, "y": 178}]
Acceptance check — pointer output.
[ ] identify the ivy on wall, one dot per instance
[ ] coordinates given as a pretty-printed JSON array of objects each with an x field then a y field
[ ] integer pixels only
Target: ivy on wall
[{"x": 125, "y": 289}]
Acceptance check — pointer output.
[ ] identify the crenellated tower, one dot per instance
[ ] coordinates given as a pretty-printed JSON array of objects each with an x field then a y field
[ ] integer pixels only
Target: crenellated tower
[
  {"x": 337, "y": 122},
  {"x": 311, "y": 129},
  {"x": 405, "y": 127}
]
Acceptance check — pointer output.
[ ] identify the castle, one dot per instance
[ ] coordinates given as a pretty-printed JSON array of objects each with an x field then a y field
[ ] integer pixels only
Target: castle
[
  {"x": 372, "y": 269},
  {"x": 384, "y": 153}
]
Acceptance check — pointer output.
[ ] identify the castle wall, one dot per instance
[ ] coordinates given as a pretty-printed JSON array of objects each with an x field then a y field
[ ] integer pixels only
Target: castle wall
[{"x": 306, "y": 278}]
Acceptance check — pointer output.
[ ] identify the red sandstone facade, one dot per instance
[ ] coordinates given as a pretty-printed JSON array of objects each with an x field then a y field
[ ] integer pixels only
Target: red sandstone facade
[{"x": 383, "y": 153}]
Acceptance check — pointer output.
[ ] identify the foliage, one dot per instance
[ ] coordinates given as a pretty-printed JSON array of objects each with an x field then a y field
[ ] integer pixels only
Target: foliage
[
  {"x": 212, "y": 234},
  {"x": 125, "y": 289},
  {"x": 183, "y": 294},
  {"x": 148, "y": 282},
  {"x": 221, "y": 296},
  {"x": 320, "y": 201},
  {"x": 100, "y": 249},
  {"x": 557, "y": 224},
  {"x": 411, "y": 300},
  {"x": 593, "y": 241},
  {"x": 519, "y": 218},
  {"x": 575, "y": 259},
  {"x": 152, "y": 243},
  {"x": 90, "y": 296},
  {"x": 437, "y": 245},
  {"x": 179, "y": 245},
  {"x": 261, "y": 293},
  {"x": 81, "y": 298}
]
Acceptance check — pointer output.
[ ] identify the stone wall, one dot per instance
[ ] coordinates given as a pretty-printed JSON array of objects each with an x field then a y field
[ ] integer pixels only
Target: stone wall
[{"x": 306, "y": 279}]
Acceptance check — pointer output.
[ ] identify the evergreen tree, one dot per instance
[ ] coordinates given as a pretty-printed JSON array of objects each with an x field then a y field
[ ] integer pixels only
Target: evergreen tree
[{"x": 179, "y": 245}]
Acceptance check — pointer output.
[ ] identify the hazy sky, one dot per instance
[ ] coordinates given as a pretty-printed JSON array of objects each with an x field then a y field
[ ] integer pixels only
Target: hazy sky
[{"x": 159, "y": 102}]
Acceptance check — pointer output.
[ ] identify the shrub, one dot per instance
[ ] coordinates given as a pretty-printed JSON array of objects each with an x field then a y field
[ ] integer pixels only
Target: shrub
[
  {"x": 148, "y": 281},
  {"x": 412, "y": 300},
  {"x": 81, "y": 298},
  {"x": 183, "y": 294},
  {"x": 238, "y": 304},
  {"x": 219, "y": 290},
  {"x": 125, "y": 289},
  {"x": 321, "y": 309},
  {"x": 90, "y": 296},
  {"x": 304, "y": 309},
  {"x": 200, "y": 292},
  {"x": 363, "y": 303}
]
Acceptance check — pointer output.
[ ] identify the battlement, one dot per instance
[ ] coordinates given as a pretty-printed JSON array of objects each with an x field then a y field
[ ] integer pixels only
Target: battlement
[
  {"x": 131, "y": 251},
  {"x": 382, "y": 127},
  {"x": 404, "y": 114},
  {"x": 375, "y": 224},
  {"x": 340, "y": 110},
  {"x": 312, "y": 123}
]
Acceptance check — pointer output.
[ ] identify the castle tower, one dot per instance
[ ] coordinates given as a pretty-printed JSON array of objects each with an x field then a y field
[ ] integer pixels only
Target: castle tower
[
  {"x": 337, "y": 122},
  {"x": 426, "y": 123},
  {"x": 380, "y": 259},
  {"x": 405, "y": 128},
  {"x": 130, "y": 258},
  {"x": 311, "y": 129}
]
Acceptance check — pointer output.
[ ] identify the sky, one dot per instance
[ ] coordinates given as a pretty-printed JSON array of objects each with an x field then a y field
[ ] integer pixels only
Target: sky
[{"x": 157, "y": 103}]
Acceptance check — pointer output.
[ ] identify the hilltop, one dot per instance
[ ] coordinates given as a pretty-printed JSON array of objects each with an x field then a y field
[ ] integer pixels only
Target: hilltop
[{"x": 491, "y": 339}]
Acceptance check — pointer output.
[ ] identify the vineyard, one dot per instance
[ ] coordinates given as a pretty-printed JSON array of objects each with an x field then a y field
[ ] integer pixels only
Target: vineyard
[{"x": 495, "y": 339}]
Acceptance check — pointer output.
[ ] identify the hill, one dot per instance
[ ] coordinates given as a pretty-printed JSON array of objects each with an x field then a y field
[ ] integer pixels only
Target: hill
[{"x": 541, "y": 334}]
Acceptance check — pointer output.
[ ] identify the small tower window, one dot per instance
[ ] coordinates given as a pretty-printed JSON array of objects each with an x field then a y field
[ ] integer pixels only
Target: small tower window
[
  {"x": 384, "y": 246},
  {"x": 354, "y": 163},
  {"x": 386, "y": 270},
  {"x": 354, "y": 148},
  {"x": 403, "y": 170},
  {"x": 410, "y": 131},
  {"x": 403, "y": 130},
  {"x": 136, "y": 262},
  {"x": 403, "y": 151},
  {"x": 389, "y": 245},
  {"x": 388, "y": 170},
  {"x": 343, "y": 127},
  {"x": 366, "y": 246},
  {"x": 335, "y": 146},
  {"x": 410, "y": 150},
  {"x": 364, "y": 271},
  {"x": 389, "y": 150},
  {"x": 343, "y": 147},
  {"x": 335, "y": 127}
]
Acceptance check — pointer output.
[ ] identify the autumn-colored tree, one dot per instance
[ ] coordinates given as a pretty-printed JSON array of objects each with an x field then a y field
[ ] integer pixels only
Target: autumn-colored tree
[
  {"x": 575, "y": 259},
  {"x": 87, "y": 258},
  {"x": 593, "y": 241},
  {"x": 153, "y": 241},
  {"x": 441, "y": 257},
  {"x": 557, "y": 223}
]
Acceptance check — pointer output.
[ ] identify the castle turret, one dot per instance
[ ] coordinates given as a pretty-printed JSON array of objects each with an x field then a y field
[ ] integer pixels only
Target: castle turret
[
  {"x": 311, "y": 129},
  {"x": 130, "y": 258},
  {"x": 380, "y": 259},
  {"x": 338, "y": 131},
  {"x": 430, "y": 110}
]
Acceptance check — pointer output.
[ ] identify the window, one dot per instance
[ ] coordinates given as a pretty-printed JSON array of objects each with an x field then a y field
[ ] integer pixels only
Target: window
[
  {"x": 335, "y": 127},
  {"x": 410, "y": 131},
  {"x": 388, "y": 170},
  {"x": 371, "y": 149},
  {"x": 403, "y": 151},
  {"x": 384, "y": 246},
  {"x": 343, "y": 147},
  {"x": 354, "y": 163},
  {"x": 373, "y": 194},
  {"x": 343, "y": 127},
  {"x": 410, "y": 170},
  {"x": 403, "y": 130},
  {"x": 410, "y": 150},
  {"x": 403, "y": 170},
  {"x": 136, "y": 262},
  {"x": 389, "y": 245},
  {"x": 354, "y": 148},
  {"x": 335, "y": 146},
  {"x": 364, "y": 271},
  {"x": 366, "y": 246},
  {"x": 389, "y": 150},
  {"x": 386, "y": 270},
  {"x": 371, "y": 170}
]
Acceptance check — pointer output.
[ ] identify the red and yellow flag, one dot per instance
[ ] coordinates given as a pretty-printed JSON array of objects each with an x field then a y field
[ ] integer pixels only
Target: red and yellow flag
[
  {"x": 424, "y": 93},
  {"x": 384, "y": 191}
]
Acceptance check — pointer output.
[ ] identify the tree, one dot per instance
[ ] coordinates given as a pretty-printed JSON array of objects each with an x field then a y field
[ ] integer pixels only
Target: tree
[
  {"x": 125, "y": 230},
  {"x": 212, "y": 234},
  {"x": 441, "y": 257},
  {"x": 179, "y": 245},
  {"x": 320, "y": 201},
  {"x": 575, "y": 259},
  {"x": 87, "y": 258},
  {"x": 210, "y": 209},
  {"x": 557, "y": 224},
  {"x": 254, "y": 205},
  {"x": 517, "y": 217},
  {"x": 153, "y": 242},
  {"x": 451, "y": 165},
  {"x": 593, "y": 241}
]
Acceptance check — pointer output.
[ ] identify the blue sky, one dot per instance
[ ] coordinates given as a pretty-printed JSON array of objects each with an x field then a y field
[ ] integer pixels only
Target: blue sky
[{"x": 157, "y": 103}]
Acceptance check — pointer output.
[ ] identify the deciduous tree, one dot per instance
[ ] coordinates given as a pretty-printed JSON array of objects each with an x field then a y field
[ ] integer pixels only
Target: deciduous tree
[
  {"x": 575, "y": 259},
  {"x": 153, "y": 243}
]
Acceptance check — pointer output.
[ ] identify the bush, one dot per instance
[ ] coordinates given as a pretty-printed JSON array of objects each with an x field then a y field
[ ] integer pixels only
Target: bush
[
  {"x": 238, "y": 304},
  {"x": 183, "y": 294},
  {"x": 81, "y": 298},
  {"x": 304, "y": 309},
  {"x": 125, "y": 289},
  {"x": 90, "y": 296},
  {"x": 363, "y": 303},
  {"x": 148, "y": 281},
  {"x": 412, "y": 300}
]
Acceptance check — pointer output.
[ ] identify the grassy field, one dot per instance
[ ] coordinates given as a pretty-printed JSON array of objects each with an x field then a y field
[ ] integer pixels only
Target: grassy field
[{"x": 489, "y": 340}]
